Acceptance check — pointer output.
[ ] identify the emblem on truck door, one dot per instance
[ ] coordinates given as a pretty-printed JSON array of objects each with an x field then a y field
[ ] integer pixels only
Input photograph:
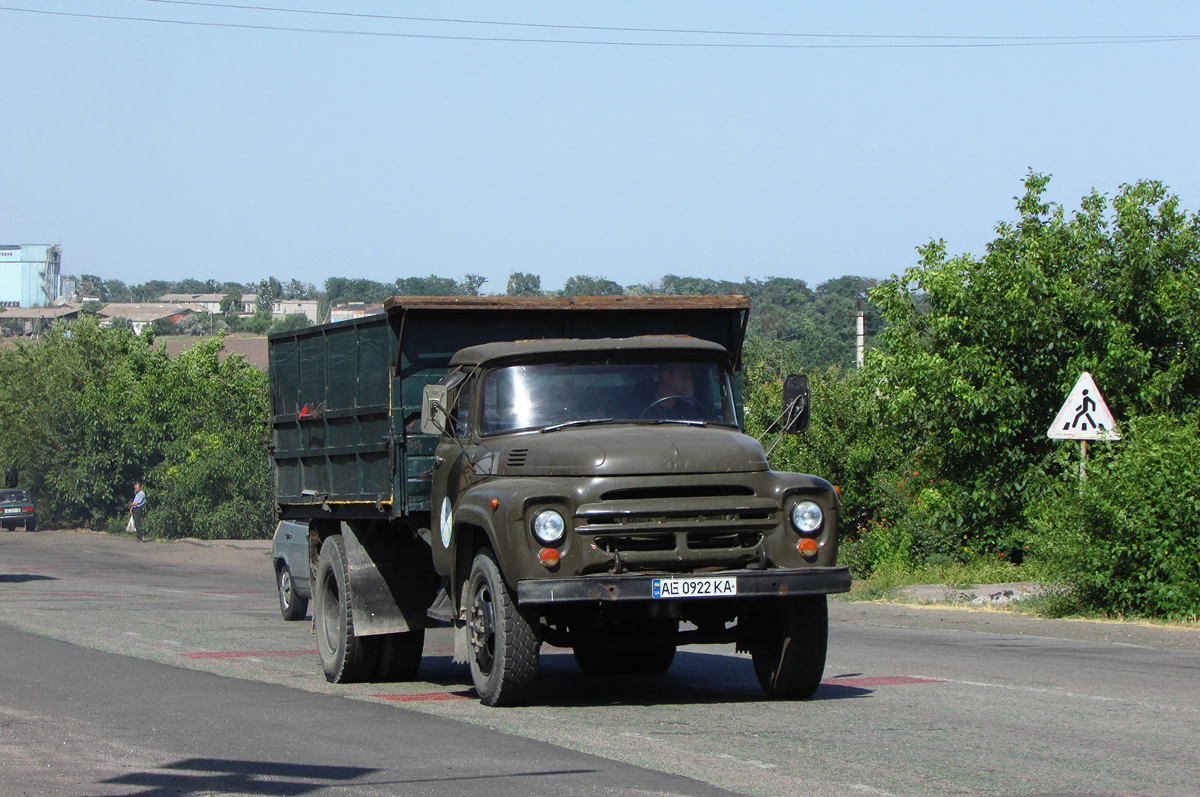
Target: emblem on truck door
[{"x": 446, "y": 522}]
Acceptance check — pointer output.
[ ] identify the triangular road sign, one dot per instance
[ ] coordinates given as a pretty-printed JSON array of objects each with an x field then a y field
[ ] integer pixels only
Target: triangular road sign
[{"x": 1084, "y": 416}]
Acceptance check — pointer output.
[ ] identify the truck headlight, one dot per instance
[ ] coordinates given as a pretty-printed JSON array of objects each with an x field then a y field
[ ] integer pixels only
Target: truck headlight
[
  {"x": 548, "y": 526},
  {"x": 807, "y": 517}
]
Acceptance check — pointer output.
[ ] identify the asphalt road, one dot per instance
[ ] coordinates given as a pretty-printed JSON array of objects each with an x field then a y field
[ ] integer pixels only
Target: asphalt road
[{"x": 165, "y": 669}]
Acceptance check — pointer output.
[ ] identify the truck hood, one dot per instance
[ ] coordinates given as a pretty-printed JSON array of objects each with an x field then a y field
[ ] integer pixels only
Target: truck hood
[{"x": 630, "y": 450}]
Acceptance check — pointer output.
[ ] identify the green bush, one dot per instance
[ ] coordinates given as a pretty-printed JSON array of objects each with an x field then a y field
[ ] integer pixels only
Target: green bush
[
  {"x": 90, "y": 410},
  {"x": 291, "y": 323},
  {"x": 163, "y": 326},
  {"x": 1130, "y": 544}
]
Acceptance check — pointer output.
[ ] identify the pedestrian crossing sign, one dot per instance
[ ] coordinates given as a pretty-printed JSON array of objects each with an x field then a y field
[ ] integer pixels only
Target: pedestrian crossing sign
[{"x": 1084, "y": 416}]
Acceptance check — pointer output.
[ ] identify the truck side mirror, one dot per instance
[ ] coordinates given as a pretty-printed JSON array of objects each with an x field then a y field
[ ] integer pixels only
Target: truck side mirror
[
  {"x": 796, "y": 408},
  {"x": 433, "y": 404}
]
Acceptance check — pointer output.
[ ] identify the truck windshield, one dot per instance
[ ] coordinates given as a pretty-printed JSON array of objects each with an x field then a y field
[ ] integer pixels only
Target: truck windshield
[{"x": 545, "y": 395}]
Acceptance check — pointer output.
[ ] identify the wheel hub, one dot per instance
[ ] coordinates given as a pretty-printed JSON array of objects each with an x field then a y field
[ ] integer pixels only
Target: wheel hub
[{"x": 483, "y": 630}]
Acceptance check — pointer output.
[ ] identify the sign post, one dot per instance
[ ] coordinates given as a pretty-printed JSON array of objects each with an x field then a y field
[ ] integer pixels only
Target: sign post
[{"x": 1084, "y": 416}]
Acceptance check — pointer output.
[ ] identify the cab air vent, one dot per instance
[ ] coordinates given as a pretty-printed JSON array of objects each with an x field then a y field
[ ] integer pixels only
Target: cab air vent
[{"x": 516, "y": 457}]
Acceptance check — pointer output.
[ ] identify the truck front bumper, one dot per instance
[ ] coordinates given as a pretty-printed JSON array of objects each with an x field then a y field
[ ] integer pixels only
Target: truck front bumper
[{"x": 640, "y": 586}]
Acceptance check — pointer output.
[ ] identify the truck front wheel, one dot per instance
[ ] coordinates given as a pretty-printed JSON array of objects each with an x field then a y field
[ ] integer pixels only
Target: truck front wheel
[
  {"x": 789, "y": 650},
  {"x": 504, "y": 640},
  {"x": 344, "y": 656}
]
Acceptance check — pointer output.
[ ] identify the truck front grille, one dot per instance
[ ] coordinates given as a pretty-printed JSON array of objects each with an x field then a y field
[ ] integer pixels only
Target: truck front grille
[{"x": 678, "y": 519}]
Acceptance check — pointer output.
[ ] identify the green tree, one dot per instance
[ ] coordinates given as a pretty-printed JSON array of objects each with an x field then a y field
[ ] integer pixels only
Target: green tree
[
  {"x": 163, "y": 326},
  {"x": 472, "y": 284},
  {"x": 582, "y": 285},
  {"x": 91, "y": 285},
  {"x": 673, "y": 285},
  {"x": 339, "y": 290},
  {"x": 269, "y": 291},
  {"x": 980, "y": 351},
  {"x": 231, "y": 303},
  {"x": 522, "y": 284},
  {"x": 291, "y": 323},
  {"x": 432, "y": 285},
  {"x": 117, "y": 291},
  {"x": 196, "y": 286},
  {"x": 295, "y": 289},
  {"x": 151, "y": 291}
]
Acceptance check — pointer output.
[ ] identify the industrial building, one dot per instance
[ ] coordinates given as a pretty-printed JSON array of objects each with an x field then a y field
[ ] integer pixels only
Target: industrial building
[{"x": 29, "y": 274}]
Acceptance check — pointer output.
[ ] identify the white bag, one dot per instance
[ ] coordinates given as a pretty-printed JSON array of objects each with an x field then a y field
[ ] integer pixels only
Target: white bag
[{"x": 129, "y": 526}]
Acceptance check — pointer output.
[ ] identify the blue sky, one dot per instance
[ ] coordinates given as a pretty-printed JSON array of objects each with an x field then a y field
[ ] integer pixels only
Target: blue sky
[{"x": 164, "y": 151}]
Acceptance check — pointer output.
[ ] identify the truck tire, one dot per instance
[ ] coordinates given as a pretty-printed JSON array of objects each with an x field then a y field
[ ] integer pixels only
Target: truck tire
[
  {"x": 504, "y": 640},
  {"x": 400, "y": 656},
  {"x": 345, "y": 658},
  {"x": 291, "y": 605},
  {"x": 600, "y": 660},
  {"x": 653, "y": 661},
  {"x": 789, "y": 653}
]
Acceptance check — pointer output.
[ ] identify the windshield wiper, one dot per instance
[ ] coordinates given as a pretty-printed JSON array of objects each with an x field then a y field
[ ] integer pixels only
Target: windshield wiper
[
  {"x": 680, "y": 421},
  {"x": 567, "y": 424}
]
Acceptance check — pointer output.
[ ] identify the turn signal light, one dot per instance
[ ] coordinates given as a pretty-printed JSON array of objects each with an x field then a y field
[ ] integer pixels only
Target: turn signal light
[
  {"x": 807, "y": 546},
  {"x": 495, "y": 503},
  {"x": 548, "y": 557}
]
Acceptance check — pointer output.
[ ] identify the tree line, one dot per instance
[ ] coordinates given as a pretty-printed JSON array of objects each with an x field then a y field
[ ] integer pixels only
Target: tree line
[{"x": 818, "y": 322}]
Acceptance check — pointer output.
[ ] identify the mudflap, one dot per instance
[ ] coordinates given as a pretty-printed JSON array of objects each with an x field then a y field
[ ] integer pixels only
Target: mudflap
[{"x": 392, "y": 581}]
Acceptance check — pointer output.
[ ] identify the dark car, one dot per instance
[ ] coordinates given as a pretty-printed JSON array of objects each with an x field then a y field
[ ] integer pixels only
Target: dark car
[
  {"x": 289, "y": 553},
  {"x": 16, "y": 508}
]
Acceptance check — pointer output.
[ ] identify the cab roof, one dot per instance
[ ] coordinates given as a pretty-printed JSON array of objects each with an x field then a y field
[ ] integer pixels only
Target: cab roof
[{"x": 671, "y": 345}]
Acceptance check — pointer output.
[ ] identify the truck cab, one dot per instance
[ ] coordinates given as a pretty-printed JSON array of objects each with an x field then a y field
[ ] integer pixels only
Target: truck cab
[{"x": 609, "y": 485}]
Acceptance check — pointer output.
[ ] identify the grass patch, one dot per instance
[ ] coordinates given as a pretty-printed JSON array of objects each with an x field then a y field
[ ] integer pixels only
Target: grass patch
[{"x": 891, "y": 574}]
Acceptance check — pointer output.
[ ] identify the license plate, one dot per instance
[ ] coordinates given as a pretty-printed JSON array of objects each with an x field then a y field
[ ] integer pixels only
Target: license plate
[
  {"x": 695, "y": 587},
  {"x": 11, "y": 510}
]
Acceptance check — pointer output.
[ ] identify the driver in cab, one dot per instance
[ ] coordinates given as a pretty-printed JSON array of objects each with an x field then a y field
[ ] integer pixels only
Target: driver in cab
[{"x": 673, "y": 399}]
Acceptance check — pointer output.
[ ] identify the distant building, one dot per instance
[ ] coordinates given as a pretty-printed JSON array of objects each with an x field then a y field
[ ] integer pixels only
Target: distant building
[
  {"x": 34, "y": 320},
  {"x": 344, "y": 312},
  {"x": 211, "y": 302},
  {"x": 286, "y": 307},
  {"x": 29, "y": 274},
  {"x": 144, "y": 313}
]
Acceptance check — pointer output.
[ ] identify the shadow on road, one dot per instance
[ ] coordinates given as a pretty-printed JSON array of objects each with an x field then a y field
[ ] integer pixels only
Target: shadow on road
[
  {"x": 225, "y": 776},
  {"x": 271, "y": 779},
  {"x": 21, "y": 578},
  {"x": 693, "y": 679}
]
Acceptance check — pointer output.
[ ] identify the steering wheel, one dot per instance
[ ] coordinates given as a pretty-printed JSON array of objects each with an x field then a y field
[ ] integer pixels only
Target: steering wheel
[{"x": 695, "y": 406}]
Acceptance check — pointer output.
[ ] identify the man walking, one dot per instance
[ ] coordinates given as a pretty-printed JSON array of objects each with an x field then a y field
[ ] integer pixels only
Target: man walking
[{"x": 137, "y": 508}]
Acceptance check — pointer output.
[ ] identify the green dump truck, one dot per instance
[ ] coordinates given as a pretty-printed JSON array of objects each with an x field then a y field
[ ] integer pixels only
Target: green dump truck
[{"x": 560, "y": 470}]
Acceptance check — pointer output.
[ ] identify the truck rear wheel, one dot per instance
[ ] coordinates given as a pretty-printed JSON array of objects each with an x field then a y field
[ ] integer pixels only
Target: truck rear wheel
[
  {"x": 344, "y": 657},
  {"x": 504, "y": 640},
  {"x": 400, "y": 655},
  {"x": 653, "y": 661},
  {"x": 599, "y": 660},
  {"x": 789, "y": 652}
]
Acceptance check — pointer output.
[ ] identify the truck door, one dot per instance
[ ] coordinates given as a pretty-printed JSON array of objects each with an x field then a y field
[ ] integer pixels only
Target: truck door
[{"x": 453, "y": 473}]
